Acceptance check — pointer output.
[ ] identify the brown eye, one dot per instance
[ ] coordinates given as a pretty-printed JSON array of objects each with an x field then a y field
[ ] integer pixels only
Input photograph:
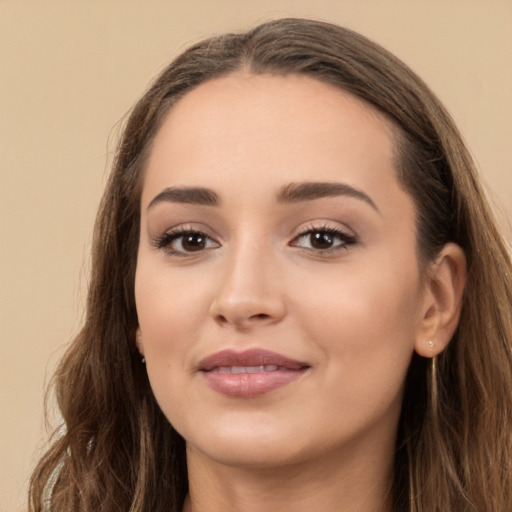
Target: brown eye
[
  {"x": 192, "y": 242},
  {"x": 321, "y": 240},
  {"x": 324, "y": 240},
  {"x": 185, "y": 242}
]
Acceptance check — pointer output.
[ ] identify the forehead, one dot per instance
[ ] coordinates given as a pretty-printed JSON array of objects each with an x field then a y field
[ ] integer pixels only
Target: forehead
[{"x": 270, "y": 130}]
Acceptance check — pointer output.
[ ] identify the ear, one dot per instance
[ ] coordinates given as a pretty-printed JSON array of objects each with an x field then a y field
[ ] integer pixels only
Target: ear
[
  {"x": 138, "y": 341},
  {"x": 442, "y": 304}
]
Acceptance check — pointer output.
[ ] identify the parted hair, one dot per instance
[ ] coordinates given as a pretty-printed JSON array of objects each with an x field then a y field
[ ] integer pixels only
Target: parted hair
[{"x": 117, "y": 451}]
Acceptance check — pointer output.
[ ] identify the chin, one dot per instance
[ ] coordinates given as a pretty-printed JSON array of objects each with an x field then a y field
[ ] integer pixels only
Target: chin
[
  {"x": 249, "y": 455},
  {"x": 252, "y": 448}
]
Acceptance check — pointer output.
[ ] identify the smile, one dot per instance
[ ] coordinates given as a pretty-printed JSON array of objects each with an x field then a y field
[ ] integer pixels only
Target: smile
[
  {"x": 247, "y": 369},
  {"x": 251, "y": 373}
]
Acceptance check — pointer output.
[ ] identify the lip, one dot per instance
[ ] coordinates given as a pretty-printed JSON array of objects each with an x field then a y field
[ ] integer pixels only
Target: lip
[{"x": 249, "y": 373}]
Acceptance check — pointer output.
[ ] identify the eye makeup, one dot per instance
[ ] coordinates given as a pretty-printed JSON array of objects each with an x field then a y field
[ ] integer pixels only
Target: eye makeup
[
  {"x": 184, "y": 241},
  {"x": 323, "y": 239}
]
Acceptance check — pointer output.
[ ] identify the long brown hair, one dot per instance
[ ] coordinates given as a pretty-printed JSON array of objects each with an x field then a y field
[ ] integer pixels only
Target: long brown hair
[{"x": 454, "y": 445}]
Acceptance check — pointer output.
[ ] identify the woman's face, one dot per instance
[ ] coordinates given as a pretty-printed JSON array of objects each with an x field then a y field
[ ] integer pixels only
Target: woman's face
[{"x": 277, "y": 285}]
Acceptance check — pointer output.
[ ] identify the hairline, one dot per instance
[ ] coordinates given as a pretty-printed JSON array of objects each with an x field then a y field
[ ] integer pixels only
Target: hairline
[{"x": 396, "y": 133}]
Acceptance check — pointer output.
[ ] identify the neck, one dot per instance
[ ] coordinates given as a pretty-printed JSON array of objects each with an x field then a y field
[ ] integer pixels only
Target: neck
[{"x": 335, "y": 482}]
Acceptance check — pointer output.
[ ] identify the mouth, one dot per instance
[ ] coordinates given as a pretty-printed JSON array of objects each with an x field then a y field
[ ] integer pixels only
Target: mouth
[{"x": 250, "y": 373}]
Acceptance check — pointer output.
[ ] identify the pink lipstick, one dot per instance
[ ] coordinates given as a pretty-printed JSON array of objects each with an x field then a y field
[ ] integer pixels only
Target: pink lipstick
[{"x": 250, "y": 373}]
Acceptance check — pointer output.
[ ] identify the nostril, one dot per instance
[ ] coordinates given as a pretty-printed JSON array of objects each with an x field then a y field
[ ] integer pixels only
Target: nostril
[
  {"x": 260, "y": 316},
  {"x": 221, "y": 319}
]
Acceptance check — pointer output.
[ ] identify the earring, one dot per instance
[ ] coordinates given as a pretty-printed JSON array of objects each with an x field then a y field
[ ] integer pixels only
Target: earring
[
  {"x": 143, "y": 360},
  {"x": 431, "y": 343},
  {"x": 434, "y": 394}
]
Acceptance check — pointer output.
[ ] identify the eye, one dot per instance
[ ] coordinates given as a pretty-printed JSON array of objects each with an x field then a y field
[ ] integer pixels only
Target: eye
[
  {"x": 185, "y": 241},
  {"x": 323, "y": 239}
]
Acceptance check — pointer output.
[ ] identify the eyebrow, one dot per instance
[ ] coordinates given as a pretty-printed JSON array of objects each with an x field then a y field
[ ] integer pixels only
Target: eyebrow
[
  {"x": 298, "y": 192},
  {"x": 292, "y": 193},
  {"x": 186, "y": 195}
]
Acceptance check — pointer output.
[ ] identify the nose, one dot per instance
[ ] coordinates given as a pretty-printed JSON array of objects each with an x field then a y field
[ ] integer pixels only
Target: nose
[{"x": 249, "y": 291}]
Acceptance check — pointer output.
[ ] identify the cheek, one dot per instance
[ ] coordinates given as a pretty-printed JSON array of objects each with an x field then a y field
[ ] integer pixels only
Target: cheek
[
  {"x": 168, "y": 308},
  {"x": 376, "y": 298},
  {"x": 365, "y": 324}
]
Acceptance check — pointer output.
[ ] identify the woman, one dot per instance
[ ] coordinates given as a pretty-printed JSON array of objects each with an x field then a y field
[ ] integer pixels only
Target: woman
[{"x": 299, "y": 297}]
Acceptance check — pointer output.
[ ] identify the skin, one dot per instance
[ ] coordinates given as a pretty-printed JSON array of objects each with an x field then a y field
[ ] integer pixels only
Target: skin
[{"x": 355, "y": 313}]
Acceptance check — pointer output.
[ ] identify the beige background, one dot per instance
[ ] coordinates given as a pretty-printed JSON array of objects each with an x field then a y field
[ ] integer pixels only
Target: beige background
[{"x": 70, "y": 70}]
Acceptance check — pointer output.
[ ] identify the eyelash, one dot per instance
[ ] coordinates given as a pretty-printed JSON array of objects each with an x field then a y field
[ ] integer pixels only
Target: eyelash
[
  {"x": 165, "y": 240},
  {"x": 334, "y": 232}
]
